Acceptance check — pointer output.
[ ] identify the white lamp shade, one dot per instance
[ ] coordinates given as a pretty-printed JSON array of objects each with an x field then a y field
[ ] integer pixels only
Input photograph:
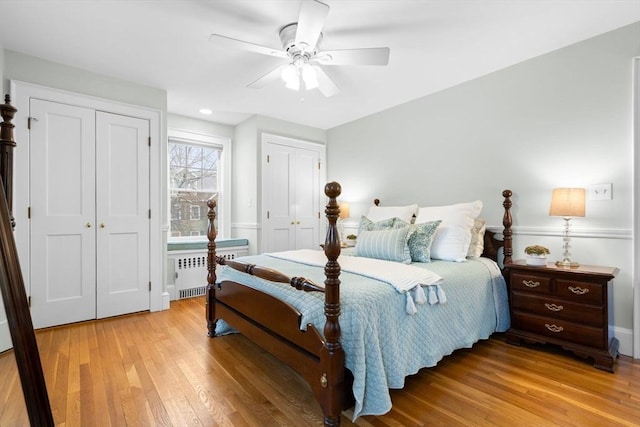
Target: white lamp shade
[{"x": 567, "y": 202}]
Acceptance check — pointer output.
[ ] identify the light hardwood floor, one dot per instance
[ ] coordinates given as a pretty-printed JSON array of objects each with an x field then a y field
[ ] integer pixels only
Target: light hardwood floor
[{"x": 160, "y": 369}]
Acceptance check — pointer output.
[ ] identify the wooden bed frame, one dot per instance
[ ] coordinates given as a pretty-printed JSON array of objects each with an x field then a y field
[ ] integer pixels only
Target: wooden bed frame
[{"x": 275, "y": 325}]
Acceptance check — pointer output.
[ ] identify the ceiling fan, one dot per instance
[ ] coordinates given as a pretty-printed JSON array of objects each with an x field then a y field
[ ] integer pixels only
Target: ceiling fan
[{"x": 301, "y": 48}]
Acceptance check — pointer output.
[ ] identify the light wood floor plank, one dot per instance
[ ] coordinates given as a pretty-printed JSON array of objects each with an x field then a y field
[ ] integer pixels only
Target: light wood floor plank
[{"x": 160, "y": 369}]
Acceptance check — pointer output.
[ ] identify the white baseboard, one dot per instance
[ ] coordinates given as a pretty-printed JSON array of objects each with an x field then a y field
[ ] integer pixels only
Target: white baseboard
[
  {"x": 165, "y": 301},
  {"x": 171, "y": 290},
  {"x": 625, "y": 337}
]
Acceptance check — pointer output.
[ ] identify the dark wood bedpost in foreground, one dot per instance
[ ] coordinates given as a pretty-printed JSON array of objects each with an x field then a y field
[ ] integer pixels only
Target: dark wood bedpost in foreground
[
  {"x": 23, "y": 337},
  {"x": 211, "y": 268},
  {"x": 332, "y": 354},
  {"x": 7, "y": 144},
  {"x": 507, "y": 222}
]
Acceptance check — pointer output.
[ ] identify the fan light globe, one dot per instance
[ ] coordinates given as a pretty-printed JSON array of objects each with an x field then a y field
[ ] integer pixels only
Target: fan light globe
[
  {"x": 309, "y": 76},
  {"x": 293, "y": 84},
  {"x": 291, "y": 77}
]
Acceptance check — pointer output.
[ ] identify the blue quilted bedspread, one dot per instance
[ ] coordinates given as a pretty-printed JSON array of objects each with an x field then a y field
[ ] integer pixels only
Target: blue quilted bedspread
[{"x": 382, "y": 343}]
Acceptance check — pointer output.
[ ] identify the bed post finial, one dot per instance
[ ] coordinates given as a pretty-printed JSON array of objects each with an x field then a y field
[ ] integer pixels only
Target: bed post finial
[
  {"x": 211, "y": 268},
  {"x": 507, "y": 222},
  {"x": 332, "y": 354},
  {"x": 7, "y": 144}
]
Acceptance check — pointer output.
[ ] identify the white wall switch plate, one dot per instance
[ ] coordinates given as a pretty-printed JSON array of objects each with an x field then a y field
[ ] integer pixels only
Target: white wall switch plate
[{"x": 599, "y": 192}]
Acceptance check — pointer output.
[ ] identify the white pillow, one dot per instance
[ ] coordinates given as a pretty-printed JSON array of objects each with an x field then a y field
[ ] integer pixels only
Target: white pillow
[
  {"x": 379, "y": 213},
  {"x": 453, "y": 236}
]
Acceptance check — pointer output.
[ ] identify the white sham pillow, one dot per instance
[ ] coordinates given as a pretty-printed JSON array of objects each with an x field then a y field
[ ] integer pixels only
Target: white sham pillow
[
  {"x": 405, "y": 213},
  {"x": 453, "y": 236}
]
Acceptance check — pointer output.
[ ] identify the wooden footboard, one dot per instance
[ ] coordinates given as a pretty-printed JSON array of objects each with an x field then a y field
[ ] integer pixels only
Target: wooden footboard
[{"x": 275, "y": 325}]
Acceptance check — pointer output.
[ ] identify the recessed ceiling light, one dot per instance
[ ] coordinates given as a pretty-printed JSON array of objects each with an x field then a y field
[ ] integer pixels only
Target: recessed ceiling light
[{"x": 206, "y": 111}]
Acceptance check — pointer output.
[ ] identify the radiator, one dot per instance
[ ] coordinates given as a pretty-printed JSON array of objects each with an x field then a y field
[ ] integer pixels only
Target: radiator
[{"x": 187, "y": 270}]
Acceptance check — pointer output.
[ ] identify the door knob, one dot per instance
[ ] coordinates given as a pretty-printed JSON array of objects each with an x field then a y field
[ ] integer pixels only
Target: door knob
[
  {"x": 102, "y": 225},
  {"x": 293, "y": 222},
  {"x": 88, "y": 225},
  {"x": 298, "y": 222}
]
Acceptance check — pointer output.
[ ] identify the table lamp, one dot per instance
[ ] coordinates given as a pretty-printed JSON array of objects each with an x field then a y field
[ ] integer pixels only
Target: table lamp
[
  {"x": 344, "y": 213},
  {"x": 567, "y": 203}
]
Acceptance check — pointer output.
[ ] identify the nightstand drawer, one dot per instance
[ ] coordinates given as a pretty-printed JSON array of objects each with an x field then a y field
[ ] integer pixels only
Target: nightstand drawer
[
  {"x": 558, "y": 309},
  {"x": 530, "y": 283},
  {"x": 580, "y": 291},
  {"x": 560, "y": 329}
]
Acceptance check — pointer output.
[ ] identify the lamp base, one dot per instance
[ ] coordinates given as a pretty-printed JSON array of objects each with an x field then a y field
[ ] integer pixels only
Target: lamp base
[{"x": 566, "y": 263}]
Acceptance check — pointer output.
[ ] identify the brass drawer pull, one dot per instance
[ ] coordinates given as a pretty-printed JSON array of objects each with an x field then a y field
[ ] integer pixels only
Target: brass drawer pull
[
  {"x": 578, "y": 290},
  {"x": 554, "y": 328},
  {"x": 553, "y": 307},
  {"x": 530, "y": 283}
]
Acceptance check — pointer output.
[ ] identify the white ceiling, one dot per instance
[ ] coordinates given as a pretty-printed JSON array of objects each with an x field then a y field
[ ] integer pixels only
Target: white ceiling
[{"x": 434, "y": 44}]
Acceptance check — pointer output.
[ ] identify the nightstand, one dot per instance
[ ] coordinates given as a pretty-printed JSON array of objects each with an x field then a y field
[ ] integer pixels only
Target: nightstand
[{"x": 563, "y": 306}]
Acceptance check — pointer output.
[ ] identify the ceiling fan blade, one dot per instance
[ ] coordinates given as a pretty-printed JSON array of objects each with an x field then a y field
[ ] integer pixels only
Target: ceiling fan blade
[
  {"x": 267, "y": 79},
  {"x": 325, "y": 84},
  {"x": 366, "y": 56},
  {"x": 313, "y": 15},
  {"x": 225, "y": 41}
]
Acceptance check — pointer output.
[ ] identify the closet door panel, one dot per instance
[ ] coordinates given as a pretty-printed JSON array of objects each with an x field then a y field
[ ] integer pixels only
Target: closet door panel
[
  {"x": 280, "y": 204},
  {"x": 122, "y": 178},
  {"x": 305, "y": 186},
  {"x": 62, "y": 189}
]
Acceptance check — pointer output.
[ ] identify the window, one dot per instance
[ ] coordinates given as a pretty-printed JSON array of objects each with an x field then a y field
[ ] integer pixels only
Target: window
[
  {"x": 196, "y": 166},
  {"x": 195, "y": 213}
]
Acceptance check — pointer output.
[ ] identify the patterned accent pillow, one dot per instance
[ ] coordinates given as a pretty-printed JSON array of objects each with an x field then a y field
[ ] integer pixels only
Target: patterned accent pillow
[
  {"x": 367, "y": 225},
  {"x": 390, "y": 245},
  {"x": 420, "y": 239}
]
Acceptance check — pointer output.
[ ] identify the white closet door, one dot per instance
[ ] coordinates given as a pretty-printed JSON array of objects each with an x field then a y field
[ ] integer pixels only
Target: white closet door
[
  {"x": 291, "y": 198},
  {"x": 306, "y": 185},
  {"x": 280, "y": 205},
  {"x": 62, "y": 189},
  {"x": 122, "y": 217}
]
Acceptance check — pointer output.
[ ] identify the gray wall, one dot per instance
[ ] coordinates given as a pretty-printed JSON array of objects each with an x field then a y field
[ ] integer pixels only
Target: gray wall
[
  {"x": 4, "y": 90},
  {"x": 562, "y": 119},
  {"x": 55, "y": 75},
  {"x": 205, "y": 127}
]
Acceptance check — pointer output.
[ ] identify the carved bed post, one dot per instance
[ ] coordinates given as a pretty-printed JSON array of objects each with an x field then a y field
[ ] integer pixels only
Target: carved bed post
[
  {"x": 211, "y": 269},
  {"x": 7, "y": 144},
  {"x": 332, "y": 354},
  {"x": 23, "y": 337},
  {"x": 507, "y": 222}
]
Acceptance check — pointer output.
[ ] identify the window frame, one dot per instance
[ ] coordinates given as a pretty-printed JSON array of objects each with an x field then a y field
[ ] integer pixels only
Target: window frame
[{"x": 224, "y": 180}]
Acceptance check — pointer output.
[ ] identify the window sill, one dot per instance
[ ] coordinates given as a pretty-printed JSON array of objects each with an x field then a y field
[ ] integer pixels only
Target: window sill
[{"x": 222, "y": 243}]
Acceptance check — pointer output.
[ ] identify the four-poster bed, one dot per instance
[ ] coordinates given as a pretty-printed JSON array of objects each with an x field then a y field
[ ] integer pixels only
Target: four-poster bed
[{"x": 271, "y": 321}]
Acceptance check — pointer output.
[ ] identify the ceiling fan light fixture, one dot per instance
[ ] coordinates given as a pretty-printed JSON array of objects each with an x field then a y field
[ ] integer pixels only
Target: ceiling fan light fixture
[
  {"x": 291, "y": 76},
  {"x": 309, "y": 76},
  {"x": 293, "y": 84}
]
